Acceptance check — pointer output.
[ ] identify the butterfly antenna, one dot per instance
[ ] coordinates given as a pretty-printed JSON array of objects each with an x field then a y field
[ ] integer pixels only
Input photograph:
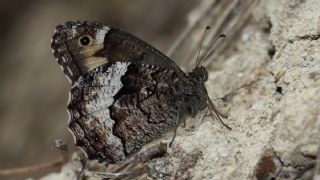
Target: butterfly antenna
[
  {"x": 198, "y": 56},
  {"x": 212, "y": 45}
]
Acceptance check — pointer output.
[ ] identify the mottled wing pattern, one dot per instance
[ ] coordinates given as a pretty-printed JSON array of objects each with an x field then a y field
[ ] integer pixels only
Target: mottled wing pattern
[
  {"x": 90, "y": 122},
  {"x": 146, "y": 107},
  {"x": 118, "y": 107}
]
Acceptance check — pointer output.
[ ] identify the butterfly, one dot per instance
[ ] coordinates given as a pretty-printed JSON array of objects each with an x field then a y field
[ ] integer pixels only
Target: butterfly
[{"x": 125, "y": 93}]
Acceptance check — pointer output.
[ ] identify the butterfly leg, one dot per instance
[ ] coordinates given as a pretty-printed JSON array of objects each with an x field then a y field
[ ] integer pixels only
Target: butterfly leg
[
  {"x": 175, "y": 131},
  {"x": 174, "y": 136},
  {"x": 214, "y": 110},
  {"x": 184, "y": 125}
]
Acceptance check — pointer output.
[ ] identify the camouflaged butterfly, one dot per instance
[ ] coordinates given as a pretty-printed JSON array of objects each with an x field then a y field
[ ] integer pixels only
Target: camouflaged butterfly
[{"x": 125, "y": 93}]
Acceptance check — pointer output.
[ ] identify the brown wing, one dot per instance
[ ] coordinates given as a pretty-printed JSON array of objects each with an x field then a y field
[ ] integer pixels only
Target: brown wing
[{"x": 82, "y": 46}]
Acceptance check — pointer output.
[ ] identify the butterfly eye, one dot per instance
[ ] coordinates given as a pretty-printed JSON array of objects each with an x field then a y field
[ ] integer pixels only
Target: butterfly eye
[{"x": 85, "y": 40}]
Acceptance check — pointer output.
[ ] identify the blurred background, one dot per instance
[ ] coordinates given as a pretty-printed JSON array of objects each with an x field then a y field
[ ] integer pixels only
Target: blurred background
[{"x": 34, "y": 91}]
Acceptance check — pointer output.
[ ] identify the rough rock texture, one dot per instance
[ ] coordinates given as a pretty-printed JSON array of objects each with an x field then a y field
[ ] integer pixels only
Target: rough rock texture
[
  {"x": 278, "y": 109},
  {"x": 273, "y": 72}
]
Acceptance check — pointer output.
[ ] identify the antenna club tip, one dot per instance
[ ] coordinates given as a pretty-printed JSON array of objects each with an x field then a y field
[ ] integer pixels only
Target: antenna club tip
[
  {"x": 223, "y": 35},
  {"x": 208, "y": 27}
]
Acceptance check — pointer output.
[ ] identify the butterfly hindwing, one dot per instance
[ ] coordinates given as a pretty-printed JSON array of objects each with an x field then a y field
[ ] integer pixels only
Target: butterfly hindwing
[{"x": 127, "y": 102}]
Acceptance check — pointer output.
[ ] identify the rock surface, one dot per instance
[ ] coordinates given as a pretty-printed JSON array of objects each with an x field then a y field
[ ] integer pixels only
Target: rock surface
[{"x": 278, "y": 110}]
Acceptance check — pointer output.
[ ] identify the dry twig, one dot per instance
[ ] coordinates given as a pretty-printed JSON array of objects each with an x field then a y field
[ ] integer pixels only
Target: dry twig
[{"x": 59, "y": 144}]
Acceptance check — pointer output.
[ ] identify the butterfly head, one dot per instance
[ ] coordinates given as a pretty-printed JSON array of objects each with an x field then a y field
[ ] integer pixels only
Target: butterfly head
[
  {"x": 199, "y": 74},
  {"x": 75, "y": 46}
]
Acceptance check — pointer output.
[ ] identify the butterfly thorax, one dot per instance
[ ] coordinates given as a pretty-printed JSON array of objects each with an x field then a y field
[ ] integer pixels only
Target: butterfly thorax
[{"x": 197, "y": 98}]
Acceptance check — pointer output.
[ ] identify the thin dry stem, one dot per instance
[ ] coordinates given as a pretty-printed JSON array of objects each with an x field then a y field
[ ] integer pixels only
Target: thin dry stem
[
  {"x": 31, "y": 169},
  {"x": 188, "y": 30},
  {"x": 59, "y": 144},
  {"x": 317, "y": 168}
]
